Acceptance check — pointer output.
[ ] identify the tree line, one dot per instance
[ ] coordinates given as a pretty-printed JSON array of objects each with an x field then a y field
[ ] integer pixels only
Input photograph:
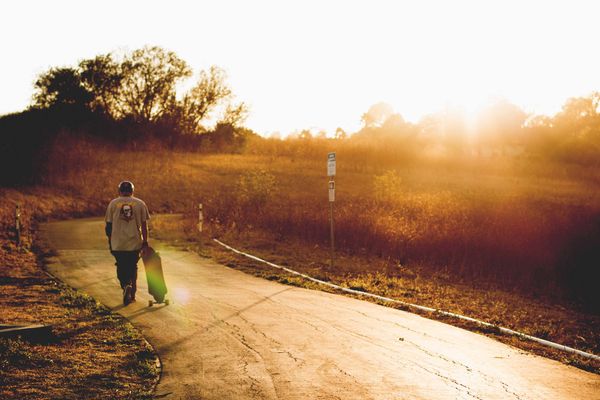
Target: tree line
[
  {"x": 499, "y": 129},
  {"x": 132, "y": 99},
  {"x": 141, "y": 87},
  {"x": 129, "y": 100}
]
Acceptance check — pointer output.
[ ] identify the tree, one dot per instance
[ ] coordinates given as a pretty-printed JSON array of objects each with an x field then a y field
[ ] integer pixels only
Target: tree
[
  {"x": 454, "y": 130},
  {"x": 501, "y": 123},
  {"x": 445, "y": 131},
  {"x": 102, "y": 77},
  {"x": 431, "y": 131},
  {"x": 377, "y": 115},
  {"x": 539, "y": 121},
  {"x": 147, "y": 84},
  {"x": 141, "y": 87},
  {"x": 235, "y": 114},
  {"x": 60, "y": 86},
  {"x": 541, "y": 136},
  {"x": 580, "y": 108},
  {"x": 580, "y": 116},
  {"x": 577, "y": 129},
  {"x": 340, "y": 134},
  {"x": 210, "y": 92},
  {"x": 396, "y": 125},
  {"x": 305, "y": 134}
]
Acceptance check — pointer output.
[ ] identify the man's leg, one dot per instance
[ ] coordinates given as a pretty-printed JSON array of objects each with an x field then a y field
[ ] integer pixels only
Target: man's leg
[
  {"x": 132, "y": 270},
  {"x": 121, "y": 262},
  {"x": 127, "y": 273}
]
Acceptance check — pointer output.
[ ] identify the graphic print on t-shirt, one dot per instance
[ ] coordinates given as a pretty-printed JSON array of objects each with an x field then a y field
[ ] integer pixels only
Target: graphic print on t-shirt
[{"x": 126, "y": 212}]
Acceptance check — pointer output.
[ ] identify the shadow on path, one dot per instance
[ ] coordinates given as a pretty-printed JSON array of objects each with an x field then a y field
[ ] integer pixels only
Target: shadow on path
[{"x": 221, "y": 320}]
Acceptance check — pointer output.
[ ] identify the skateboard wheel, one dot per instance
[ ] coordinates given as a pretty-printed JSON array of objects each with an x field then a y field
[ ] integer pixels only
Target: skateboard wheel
[
  {"x": 150, "y": 303},
  {"x": 166, "y": 302}
]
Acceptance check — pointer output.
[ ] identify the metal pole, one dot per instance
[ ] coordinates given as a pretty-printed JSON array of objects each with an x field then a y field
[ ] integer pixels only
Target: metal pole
[
  {"x": 331, "y": 175},
  {"x": 332, "y": 235}
]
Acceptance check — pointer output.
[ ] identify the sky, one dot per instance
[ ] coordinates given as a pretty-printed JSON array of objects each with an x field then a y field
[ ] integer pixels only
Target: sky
[{"x": 321, "y": 64}]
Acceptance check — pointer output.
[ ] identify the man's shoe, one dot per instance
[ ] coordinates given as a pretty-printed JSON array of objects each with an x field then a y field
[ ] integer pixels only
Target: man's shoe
[{"x": 127, "y": 294}]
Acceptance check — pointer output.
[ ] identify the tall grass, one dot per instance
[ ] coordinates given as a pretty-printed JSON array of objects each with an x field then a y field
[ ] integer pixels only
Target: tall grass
[{"x": 517, "y": 224}]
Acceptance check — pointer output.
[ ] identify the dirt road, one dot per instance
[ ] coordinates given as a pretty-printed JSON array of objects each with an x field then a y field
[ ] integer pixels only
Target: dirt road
[{"x": 229, "y": 335}]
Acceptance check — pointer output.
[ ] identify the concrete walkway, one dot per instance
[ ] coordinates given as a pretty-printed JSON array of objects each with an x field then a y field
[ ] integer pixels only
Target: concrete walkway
[{"x": 228, "y": 335}]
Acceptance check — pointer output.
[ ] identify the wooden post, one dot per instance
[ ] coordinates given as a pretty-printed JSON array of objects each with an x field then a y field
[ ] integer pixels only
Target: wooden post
[
  {"x": 18, "y": 223},
  {"x": 200, "y": 222}
]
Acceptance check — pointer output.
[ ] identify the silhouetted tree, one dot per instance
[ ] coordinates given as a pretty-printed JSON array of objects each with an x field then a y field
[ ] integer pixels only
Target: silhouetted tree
[
  {"x": 60, "y": 86},
  {"x": 210, "y": 91},
  {"x": 140, "y": 91},
  {"x": 147, "y": 82},
  {"x": 235, "y": 114},
  {"x": 102, "y": 76}
]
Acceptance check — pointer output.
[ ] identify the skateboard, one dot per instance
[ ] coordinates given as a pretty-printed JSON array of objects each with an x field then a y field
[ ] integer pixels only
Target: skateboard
[{"x": 154, "y": 275}]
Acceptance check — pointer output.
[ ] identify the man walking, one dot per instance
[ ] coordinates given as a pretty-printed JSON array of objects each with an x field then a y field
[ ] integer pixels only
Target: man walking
[{"x": 127, "y": 230}]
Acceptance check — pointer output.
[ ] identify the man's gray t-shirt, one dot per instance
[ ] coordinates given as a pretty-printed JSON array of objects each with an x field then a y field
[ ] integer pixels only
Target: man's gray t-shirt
[{"x": 126, "y": 213}]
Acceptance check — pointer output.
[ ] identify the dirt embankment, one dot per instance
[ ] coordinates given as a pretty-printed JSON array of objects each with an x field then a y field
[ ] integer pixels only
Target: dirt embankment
[{"x": 92, "y": 352}]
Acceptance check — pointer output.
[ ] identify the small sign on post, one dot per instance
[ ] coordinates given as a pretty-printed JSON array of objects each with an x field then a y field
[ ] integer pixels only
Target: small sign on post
[
  {"x": 331, "y": 164},
  {"x": 331, "y": 191}
]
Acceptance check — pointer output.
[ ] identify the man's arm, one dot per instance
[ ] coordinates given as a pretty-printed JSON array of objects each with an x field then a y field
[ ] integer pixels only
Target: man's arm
[
  {"x": 144, "y": 233},
  {"x": 145, "y": 218},
  {"x": 108, "y": 220}
]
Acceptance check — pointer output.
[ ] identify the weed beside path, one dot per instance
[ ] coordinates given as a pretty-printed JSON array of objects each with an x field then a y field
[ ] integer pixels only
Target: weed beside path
[
  {"x": 93, "y": 353},
  {"x": 536, "y": 317}
]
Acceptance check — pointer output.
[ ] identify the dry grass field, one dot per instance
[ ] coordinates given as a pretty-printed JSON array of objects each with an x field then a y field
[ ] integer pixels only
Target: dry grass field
[
  {"x": 512, "y": 241},
  {"x": 511, "y": 224}
]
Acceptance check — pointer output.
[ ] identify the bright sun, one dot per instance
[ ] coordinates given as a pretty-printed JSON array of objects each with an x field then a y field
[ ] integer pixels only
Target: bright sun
[{"x": 321, "y": 65}]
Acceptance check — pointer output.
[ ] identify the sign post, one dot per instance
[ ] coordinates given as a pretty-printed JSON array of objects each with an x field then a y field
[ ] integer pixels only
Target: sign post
[
  {"x": 331, "y": 174},
  {"x": 331, "y": 165}
]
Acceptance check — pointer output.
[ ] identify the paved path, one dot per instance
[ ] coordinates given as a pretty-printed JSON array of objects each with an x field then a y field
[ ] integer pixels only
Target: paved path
[{"x": 229, "y": 335}]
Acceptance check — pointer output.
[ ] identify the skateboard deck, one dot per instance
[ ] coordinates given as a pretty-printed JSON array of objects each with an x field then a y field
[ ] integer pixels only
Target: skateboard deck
[{"x": 154, "y": 275}]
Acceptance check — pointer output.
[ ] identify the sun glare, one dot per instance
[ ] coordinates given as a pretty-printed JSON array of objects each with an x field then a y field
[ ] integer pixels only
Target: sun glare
[
  {"x": 320, "y": 65},
  {"x": 181, "y": 295}
]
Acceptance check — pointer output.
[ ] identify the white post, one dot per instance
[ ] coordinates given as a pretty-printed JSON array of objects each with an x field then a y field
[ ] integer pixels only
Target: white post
[{"x": 200, "y": 218}]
